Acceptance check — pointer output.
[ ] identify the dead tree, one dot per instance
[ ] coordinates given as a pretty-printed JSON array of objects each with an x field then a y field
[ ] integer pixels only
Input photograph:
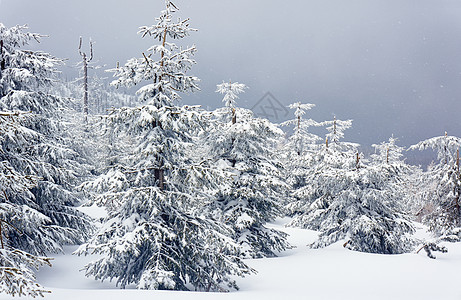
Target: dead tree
[
  {"x": 457, "y": 190},
  {"x": 2, "y": 60},
  {"x": 2, "y": 64},
  {"x": 86, "y": 61}
]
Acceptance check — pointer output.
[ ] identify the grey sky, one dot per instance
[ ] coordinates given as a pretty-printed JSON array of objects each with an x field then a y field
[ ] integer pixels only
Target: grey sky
[{"x": 393, "y": 65}]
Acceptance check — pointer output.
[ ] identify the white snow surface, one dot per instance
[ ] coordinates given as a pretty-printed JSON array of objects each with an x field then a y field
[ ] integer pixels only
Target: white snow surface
[
  {"x": 94, "y": 211},
  {"x": 300, "y": 273}
]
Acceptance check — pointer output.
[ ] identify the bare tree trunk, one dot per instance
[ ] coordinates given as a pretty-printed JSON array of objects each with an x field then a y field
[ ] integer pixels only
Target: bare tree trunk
[
  {"x": 234, "y": 120},
  {"x": 2, "y": 59},
  {"x": 161, "y": 179},
  {"x": 85, "y": 87},
  {"x": 1, "y": 235},
  {"x": 86, "y": 60},
  {"x": 458, "y": 188},
  {"x": 2, "y": 65},
  {"x": 299, "y": 125}
]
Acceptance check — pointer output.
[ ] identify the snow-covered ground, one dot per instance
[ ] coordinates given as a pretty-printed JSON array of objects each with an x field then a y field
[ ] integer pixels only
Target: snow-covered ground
[{"x": 300, "y": 273}]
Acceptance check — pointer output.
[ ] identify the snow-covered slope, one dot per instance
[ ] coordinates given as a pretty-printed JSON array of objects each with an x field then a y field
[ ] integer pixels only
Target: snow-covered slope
[{"x": 301, "y": 273}]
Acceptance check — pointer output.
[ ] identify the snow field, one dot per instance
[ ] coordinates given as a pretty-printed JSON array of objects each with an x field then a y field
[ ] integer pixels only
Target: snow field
[{"x": 300, "y": 273}]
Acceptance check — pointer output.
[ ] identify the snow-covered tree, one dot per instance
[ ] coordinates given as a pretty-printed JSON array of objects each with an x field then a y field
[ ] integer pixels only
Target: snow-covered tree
[
  {"x": 40, "y": 148},
  {"x": 230, "y": 90},
  {"x": 349, "y": 199},
  {"x": 17, "y": 273},
  {"x": 252, "y": 194},
  {"x": 152, "y": 237},
  {"x": 19, "y": 218},
  {"x": 85, "y": 61},
  {"x": 301, "y": 139},
  {"x": 298, "y": 150},
  {"x": 388, "y": 152},
  {"x": 151, "y": 243},
  {"x": 335, "y": 133},
  {"x": 440, "y": 187},
  {"x": 332, "y": 156}
]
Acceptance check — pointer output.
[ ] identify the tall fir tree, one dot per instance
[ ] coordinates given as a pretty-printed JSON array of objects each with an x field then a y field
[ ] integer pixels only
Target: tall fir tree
[
  {"x": 19, "y": 217},
  {"x": 152, "y": 238},
  {"x": 252, "y": 195},
  {"x": 26, "y": 78},
  {"x": 298, "y": 152},
  {"x": 330, "y": 156},
  {"x": 439, "y": 195}
]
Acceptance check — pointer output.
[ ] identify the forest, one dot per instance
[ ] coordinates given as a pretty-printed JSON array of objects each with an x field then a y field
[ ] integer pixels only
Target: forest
[{"x": 188, "y": 192}]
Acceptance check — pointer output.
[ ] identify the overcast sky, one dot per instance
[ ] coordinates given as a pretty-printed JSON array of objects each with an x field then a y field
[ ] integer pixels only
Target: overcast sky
[{"x": 393, "y": 66}]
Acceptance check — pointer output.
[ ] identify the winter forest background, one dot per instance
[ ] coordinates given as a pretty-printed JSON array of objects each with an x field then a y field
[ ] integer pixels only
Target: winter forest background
[{"x": 192, "y": 194}]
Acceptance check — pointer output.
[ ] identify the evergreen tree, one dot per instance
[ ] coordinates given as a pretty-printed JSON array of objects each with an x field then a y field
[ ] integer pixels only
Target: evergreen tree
[
  {"x": 39, "y": 149},
  {"x": 152, "y": 237},
  {"x": 336, "y": 155},
  {"x": 353, "y": 200},
  {"x": 388, "y": 152},
  {"x": 16, "y": 273},
  {"x": 298, "y": 152},
  {"x": 389, "y": 158},
  {"x": 17, "y": 214},
  {"x": 245, "y": 147},
  {"x": 301, "y": 141},
  {"x": 335, "y": 133},
  {"x": 440, "y": 188},
  {"x": 231, "y": 91}
]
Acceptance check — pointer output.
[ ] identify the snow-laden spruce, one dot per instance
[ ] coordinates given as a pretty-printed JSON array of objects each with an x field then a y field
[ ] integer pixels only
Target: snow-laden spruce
[
  {"x": 350, "y": 199},
  {"x": 152, "y": 244},
  {"x": 252, "y": 193},
  {"x": 335, "y": 133},
  {"x": 17, "y": 276},
  {"x": 318, "y": 160},
  {"x": 230, "y": 90},
  {"x": 40, "y": 148},
  {"x": 20, "y": 221},
  {"x": 440, "y": 187},
  {"x": 301, "y": 141},
  {"x": 298, "y": 151},
  {"x": 154, "y": 237}
]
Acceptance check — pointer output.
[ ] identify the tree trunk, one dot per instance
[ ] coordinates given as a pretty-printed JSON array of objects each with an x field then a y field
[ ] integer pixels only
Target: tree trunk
[
  {"x": 159, "y": 170},
  {"x": 1, "y": 235},
  {"x": 458, "y": 190},
  {"x": 2, "y": 66},
  {"x": 234, "y": 120},
  {"x": 159, "y": 178},
  {"x": 85, "y": 88},
  {"x": 299, "y": 126},
  {"x": 2, "y": 59}
]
